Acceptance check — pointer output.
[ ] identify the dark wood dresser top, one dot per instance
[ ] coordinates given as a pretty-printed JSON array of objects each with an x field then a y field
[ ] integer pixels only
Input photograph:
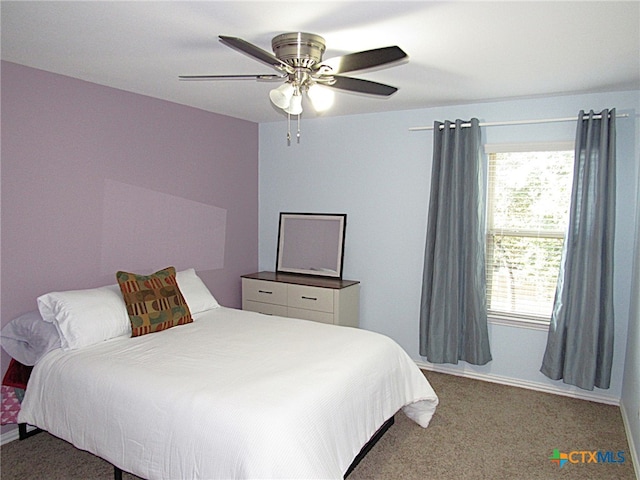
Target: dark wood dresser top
[{"x": 298, "y": 279}]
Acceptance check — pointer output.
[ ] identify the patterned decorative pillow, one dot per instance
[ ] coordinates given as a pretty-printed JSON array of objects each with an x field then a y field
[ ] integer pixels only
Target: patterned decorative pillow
[{"x": 154, "y": 302}]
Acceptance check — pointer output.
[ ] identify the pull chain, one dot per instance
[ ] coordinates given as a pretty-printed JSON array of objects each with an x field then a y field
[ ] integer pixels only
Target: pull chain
[{"x": 289, "y": 130}]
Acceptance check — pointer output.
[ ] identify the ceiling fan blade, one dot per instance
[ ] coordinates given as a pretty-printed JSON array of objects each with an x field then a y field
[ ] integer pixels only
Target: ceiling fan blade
[
  {"x": 256, "y": 52},
  {"x": 366, "y": 59},
  {"x": 363, "y": 86},
  {"x": 232, "y": 77}
]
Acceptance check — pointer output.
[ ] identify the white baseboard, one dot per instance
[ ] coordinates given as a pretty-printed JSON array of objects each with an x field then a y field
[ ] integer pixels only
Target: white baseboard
[
  {"x": 512, "y": 382},
  {"x": 14, "y": 434},
  {"x": 634, "y": 448},
  {"x": 9, "y": 436}
]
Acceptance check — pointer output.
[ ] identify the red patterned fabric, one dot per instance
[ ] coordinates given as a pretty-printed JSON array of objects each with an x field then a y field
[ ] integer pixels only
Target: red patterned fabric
[
  {"x": 10, "y": 406},
  {"x": 17, "y": 375},
  {"x": 16, "y": 378}
]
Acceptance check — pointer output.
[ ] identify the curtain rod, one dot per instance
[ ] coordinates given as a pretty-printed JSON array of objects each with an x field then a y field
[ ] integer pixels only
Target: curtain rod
[{"x": 518, "y": 122}]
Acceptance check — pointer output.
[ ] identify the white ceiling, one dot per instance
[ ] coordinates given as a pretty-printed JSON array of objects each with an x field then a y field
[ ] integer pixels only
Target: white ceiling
[{"x": 459, "y": 52}]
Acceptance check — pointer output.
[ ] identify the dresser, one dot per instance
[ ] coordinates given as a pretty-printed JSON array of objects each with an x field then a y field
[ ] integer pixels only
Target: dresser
[{"x": 321, "y": 299}]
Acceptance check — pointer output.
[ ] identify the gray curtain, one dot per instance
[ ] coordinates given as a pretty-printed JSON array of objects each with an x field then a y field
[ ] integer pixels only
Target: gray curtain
[
  {"x": 453, "y": 311},
  {"x": 580, "y": 342}
]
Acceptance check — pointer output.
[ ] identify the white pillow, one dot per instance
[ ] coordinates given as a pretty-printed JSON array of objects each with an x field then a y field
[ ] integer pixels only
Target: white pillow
[
  {"x": 28, "y": 338},
  {"x": 195, "y": 292},
  {"x": 85, "y": 317}
]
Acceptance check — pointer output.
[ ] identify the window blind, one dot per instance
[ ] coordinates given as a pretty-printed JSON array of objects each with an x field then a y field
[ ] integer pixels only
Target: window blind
[{"x": 528, "y": 211}]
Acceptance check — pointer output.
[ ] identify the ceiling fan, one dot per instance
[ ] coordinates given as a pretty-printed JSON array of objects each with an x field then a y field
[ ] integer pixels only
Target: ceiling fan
[{"x": 298, "y": 60}]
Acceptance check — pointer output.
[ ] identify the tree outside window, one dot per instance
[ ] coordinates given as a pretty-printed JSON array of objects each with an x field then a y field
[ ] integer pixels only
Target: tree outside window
[{"x": 529, "y": 196}]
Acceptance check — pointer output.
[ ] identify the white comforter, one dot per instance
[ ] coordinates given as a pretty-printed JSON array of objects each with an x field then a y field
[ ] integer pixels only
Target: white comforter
[{"x": 233, "y": 395}]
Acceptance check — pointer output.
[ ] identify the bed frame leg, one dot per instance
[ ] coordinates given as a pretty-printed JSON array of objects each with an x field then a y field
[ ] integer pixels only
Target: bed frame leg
[
  {"x": 23, "y": 433},
  {"x": 117, "y": 473}
]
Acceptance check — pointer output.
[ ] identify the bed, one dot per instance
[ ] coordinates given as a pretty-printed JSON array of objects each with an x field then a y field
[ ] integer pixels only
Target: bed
[{"x": 232, "y": 394}]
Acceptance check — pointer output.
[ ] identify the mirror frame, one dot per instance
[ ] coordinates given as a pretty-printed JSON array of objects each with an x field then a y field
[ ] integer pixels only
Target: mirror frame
[{"x": 286, "y": 217}]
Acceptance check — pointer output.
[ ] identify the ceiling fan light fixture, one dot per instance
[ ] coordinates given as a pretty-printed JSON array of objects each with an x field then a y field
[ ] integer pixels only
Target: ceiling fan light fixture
[
  {"x": 281, "y": 97},
  {"x": 297, "y": 56},
  {"x": 321, "y": 97},
  {"x": 295, "y": 106}
]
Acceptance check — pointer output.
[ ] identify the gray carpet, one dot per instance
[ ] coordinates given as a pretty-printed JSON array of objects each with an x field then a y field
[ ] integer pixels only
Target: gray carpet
[{"x": 480, "y": 431}]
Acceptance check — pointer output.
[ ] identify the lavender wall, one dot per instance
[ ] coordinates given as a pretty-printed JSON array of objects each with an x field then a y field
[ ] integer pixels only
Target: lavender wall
[{"x": 80, "y": 160}]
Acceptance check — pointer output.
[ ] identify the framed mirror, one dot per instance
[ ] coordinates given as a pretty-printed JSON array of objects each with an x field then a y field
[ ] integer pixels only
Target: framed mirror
[{"x": 311, "y": 243}]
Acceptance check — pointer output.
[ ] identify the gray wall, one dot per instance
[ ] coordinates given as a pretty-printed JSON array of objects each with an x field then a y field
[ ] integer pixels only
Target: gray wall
[
  {"x": 378, "y": 172},
  {"x": 631, "y": 383}
]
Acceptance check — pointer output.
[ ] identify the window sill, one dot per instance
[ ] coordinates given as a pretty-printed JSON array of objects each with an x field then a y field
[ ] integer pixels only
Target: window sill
[{"x": 529, "y": 323}]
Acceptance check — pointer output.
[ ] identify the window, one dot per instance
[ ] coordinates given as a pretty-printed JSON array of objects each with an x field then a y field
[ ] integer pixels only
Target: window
[{"x": 529, "y": 196}]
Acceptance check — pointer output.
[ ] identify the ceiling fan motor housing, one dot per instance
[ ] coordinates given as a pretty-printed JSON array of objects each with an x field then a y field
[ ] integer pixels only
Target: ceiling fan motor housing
[{"x": 299, "y": 49}]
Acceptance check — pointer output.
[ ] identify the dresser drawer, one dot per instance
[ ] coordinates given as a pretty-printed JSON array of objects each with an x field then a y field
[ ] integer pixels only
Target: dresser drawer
[
  {"x": 311, "y": 298},
  {"x": 314, "y": 315},
  {"x": 325, "y": 300},
  {"x": 265, "y": 292},
  {"x": 266, "y": 308}
]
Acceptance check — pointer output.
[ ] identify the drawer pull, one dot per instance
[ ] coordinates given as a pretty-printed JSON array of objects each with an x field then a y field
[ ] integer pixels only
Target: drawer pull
[
  {"x": 265, "y": 291},
  {"x": 309, "y": 298}
]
